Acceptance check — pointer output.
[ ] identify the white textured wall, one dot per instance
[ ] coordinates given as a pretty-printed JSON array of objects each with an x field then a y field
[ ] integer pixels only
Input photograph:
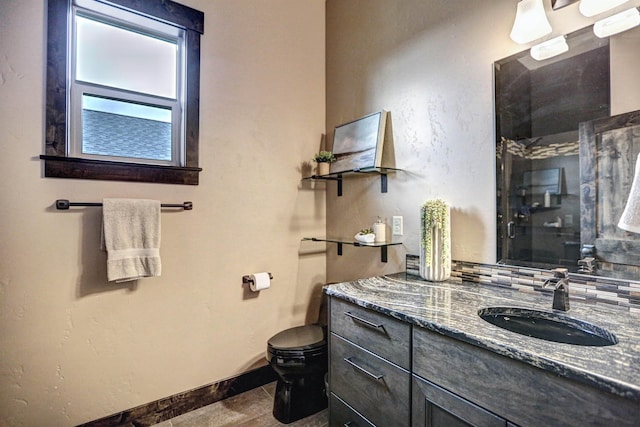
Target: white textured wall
[
  {"x": 74, "y": 348},
  {"x": 430, "y": 64}
]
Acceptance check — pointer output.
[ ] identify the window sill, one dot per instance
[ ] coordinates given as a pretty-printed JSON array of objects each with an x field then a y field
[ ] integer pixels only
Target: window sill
[{"x": 70, "y": 167}]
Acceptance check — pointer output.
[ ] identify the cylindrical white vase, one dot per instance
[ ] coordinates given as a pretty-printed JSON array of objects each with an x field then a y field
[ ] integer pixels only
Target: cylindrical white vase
[{"x": 439, "y": 267}]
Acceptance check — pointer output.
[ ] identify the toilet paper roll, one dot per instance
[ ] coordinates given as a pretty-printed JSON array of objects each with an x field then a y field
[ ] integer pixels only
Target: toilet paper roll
[{"x": 260, "y": 281}]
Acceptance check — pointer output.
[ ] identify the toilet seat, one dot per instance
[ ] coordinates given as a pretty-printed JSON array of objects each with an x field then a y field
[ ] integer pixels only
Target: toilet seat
[{"x": 297, "y": 342}]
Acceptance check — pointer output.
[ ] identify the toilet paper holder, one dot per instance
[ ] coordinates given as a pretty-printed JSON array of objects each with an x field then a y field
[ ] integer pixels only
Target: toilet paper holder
[{"x": 248, "y": 279}]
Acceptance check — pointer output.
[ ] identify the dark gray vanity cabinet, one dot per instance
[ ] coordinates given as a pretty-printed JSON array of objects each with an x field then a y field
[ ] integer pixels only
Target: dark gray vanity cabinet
[
  {"x": 433, "y": 406},
  {"x": 369, "y": 364},
  {"x": 518, "y": 392},
  {"x": 387, "y": 373},
  {"x": 344, "y": 415}
]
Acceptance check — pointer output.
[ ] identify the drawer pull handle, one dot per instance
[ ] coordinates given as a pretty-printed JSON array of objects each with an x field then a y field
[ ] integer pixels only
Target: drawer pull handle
[
  {"x": 361, "y": 369},
  {"x": 349, "y": 424},
  {"x": 364, "y": 321}
]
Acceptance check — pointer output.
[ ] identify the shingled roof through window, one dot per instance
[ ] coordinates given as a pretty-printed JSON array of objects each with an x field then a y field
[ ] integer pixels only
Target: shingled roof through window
[{"x": 124, "y": 136}]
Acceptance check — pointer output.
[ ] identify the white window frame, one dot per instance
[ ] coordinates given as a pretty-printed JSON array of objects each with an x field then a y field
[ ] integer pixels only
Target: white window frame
[{"x": 131, "y": 21}]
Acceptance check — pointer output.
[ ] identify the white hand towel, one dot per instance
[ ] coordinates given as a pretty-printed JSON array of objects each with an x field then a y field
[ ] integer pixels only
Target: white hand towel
[{"x": 131, "y": 232}]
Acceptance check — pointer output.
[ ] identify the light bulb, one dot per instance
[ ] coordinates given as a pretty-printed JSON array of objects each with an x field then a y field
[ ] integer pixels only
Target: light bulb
[
  {"x": 549, "y": 49},
  {"x": 531, "y": 22},
  {"x": 617, "y": 23},
  {"x": 594, "y": 7}
]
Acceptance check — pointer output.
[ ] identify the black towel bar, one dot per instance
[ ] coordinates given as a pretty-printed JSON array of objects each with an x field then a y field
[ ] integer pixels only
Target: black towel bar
[{"x": 65, "y": 204}]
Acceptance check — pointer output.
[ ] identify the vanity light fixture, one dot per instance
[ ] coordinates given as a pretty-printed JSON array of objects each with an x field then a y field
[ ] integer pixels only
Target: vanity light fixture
[
  {"x": 531, "y": 22},
  {"x": 617, "y": 23},
  {"x": 630, "y": 219},
  {"x": 591, "y": 8},
  {"x": 550, "y": 48}
]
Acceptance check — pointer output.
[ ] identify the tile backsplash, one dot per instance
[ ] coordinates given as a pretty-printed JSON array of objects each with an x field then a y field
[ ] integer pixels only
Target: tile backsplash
[{"x": 589, "y": 289}]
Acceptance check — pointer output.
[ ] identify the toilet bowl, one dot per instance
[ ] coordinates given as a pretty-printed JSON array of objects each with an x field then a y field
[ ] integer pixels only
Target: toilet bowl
[{"x": 299, "y": 357}]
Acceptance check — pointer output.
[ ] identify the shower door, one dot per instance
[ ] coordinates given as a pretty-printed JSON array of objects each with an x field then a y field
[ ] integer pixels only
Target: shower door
[{"x": 539, "y": 202}]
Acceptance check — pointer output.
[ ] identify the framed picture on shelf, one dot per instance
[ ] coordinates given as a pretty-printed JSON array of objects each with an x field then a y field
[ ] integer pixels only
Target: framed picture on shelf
[{"x": 358, "y": 144}]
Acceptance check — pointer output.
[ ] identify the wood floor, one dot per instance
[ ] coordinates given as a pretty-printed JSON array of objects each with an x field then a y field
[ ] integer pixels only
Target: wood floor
[{"x": 249, "y": 409}]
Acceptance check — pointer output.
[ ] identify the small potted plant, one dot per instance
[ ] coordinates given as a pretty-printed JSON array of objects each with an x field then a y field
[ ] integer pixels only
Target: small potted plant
[{"x": 323, "y": 159}]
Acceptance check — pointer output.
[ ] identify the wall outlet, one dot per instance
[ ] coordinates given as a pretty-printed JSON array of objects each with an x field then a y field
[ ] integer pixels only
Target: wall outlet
[{"x": 396, "y": 226}]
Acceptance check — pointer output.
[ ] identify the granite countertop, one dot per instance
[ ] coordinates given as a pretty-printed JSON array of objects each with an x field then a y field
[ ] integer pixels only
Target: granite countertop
[{"x": 451, "y": 309}]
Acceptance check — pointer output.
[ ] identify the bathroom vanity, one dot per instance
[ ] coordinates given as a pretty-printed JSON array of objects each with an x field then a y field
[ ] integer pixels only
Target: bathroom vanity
[{"x": 408, "y": 352}]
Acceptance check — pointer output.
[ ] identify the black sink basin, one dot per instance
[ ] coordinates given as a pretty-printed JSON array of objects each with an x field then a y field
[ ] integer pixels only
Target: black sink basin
[{"x": 548, "y": 326}]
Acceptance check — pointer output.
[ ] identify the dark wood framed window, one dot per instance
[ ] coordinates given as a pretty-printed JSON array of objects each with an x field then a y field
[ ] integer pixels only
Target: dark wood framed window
[{"x": 66, "y": 157}]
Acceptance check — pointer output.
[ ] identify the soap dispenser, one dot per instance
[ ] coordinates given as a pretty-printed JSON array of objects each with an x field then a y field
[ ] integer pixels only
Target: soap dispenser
[
  {"x": 547, "y": 199},
  {"x": 380, "y": 230}
]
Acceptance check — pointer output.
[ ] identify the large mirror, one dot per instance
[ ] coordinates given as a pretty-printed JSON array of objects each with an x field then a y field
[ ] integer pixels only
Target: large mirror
[{"x": 540, "y": 106}]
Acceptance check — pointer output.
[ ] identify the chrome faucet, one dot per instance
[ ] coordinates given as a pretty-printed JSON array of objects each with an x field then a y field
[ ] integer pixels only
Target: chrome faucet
[
  {"x": 560, "y": 282},
  {"x": 587, "y": 265}
]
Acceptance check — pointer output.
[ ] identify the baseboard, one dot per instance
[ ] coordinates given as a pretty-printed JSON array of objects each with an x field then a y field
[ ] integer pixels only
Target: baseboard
[{"x": 178, "y": 404}]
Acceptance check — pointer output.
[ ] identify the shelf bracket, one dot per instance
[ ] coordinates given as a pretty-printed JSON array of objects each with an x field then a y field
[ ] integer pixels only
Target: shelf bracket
[
  {"x": 383, "y": 251},
  {"x": 338, "y": 177},
  {"x": 340, "y": 245},
  {"x": 383, "y": 178}
]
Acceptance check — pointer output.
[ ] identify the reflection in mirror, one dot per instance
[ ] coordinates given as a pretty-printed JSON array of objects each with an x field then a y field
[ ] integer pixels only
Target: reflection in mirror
[
  {"x": 539, "y": 108},
  {"x": 539, "y": 105},
  {"x": 609, "y": 149}
]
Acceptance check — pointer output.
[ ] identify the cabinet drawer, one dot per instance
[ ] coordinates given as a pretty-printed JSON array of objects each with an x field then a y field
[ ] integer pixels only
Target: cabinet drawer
[
  {"x": 381, "y": 334},
  {"x": 342, "y": 415},
  {"x": 374, "y": 387}
]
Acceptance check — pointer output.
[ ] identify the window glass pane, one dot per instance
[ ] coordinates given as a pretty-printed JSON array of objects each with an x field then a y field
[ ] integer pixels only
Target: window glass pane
[
  {"x": 120, "y": 58},
  {"x": 124, "y": 129}
]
